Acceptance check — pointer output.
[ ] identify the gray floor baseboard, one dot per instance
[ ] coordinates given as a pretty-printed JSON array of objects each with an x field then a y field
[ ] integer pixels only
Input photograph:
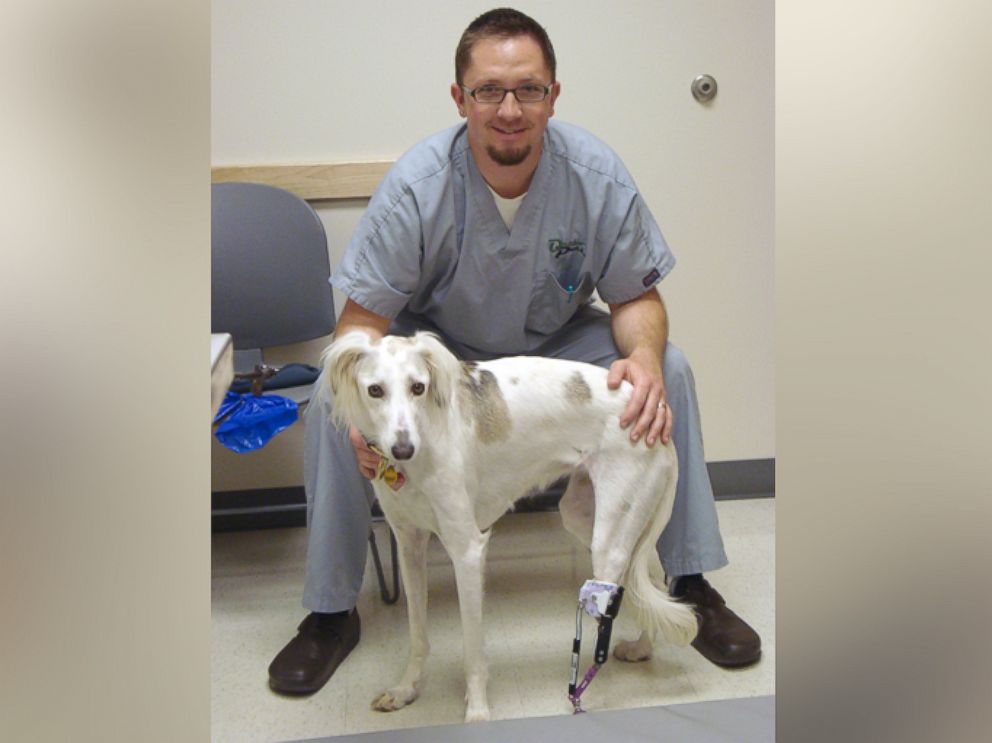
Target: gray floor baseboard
[
  {"x": 743, "y": 478},
  {"x": 270, "y": 508}
]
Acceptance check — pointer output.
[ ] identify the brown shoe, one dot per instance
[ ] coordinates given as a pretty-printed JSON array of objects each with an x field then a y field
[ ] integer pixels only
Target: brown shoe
[
  {"x": 310, "y": 658},
  {"x": 724, "y": 638}
]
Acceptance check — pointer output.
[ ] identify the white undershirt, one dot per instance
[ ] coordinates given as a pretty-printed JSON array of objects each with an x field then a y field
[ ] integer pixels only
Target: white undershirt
[{"x": 507, "y": 207}]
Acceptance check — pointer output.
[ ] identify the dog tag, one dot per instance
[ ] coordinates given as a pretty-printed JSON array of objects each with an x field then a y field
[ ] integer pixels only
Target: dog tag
[
  {"x": 390, "y": 475},
  {"x": 384, "y": 470}
]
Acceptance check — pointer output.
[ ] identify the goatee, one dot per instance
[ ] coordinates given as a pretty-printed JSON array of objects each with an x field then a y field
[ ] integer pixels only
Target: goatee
[{"x": 508, "y": 157}]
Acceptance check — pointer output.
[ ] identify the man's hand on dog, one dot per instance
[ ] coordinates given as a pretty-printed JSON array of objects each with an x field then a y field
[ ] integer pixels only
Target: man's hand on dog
[
  {"x": 648, "y": 407},
  {"x": 368, "y": 460}
]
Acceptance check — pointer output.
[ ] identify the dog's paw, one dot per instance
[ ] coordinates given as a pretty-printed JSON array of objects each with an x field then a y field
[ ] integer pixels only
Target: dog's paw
[
  {"x": 395, "y": 698},
  {"x": 633, "y": 651},
  {"x": 477, "y": 713}
]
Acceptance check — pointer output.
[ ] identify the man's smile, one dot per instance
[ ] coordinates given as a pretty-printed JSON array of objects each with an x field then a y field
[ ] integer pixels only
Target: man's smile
[{"x": 509, "y": 134}]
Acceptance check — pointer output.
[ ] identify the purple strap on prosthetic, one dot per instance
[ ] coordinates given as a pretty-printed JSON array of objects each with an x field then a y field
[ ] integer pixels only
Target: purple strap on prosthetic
[{"x": 574, "y": 698}]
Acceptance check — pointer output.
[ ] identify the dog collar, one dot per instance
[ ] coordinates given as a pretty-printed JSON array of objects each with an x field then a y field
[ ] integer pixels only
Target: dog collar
[{"x": 385, "y": 470}]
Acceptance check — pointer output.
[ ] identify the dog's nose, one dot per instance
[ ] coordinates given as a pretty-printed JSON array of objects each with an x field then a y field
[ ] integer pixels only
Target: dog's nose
[{"x": 402, "y": 449}]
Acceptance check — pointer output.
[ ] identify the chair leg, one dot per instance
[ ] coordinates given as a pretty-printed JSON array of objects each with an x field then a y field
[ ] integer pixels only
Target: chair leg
[{"x": 386, "y": 596}]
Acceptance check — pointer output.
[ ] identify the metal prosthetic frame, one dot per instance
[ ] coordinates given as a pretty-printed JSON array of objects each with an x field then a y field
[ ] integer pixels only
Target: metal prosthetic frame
[{"x": 601, "y": 600}]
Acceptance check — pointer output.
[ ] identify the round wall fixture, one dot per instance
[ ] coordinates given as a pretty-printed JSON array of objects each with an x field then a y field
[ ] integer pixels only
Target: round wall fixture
[{"x": 704, "y": 88}]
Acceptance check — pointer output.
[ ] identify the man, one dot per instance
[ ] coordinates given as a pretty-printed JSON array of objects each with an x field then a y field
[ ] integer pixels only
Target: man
[{"x": 494, "y": 235}]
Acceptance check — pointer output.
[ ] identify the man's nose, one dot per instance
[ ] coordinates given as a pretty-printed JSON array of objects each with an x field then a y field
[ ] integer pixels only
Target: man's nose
[{"x": 509, "y": 108}]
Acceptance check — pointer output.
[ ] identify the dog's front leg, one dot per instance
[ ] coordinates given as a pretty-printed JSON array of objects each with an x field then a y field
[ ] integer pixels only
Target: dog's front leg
[
  {"x": 412, "y": 545},
  {"x": 468, "y": 554}
]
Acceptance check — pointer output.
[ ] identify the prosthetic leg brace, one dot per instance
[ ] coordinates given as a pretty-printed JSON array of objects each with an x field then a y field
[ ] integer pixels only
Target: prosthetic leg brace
[{"x": 600, "y": 600}]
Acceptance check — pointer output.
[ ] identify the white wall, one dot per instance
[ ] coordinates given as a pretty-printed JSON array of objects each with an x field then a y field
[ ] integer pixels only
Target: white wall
[{"x": 326, "y": 80}]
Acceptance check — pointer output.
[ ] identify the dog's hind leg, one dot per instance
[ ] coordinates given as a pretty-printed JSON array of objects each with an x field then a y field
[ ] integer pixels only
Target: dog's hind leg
[
  {"x": 621, "y": 511},
  {"x": 577, "y": 506},
  {"x": 412, "y": 545},
  {"x": 632, "y": 651},
  {"x": 578, "y": 511},
  {"x": 641, "y": 649},
  {"x": 634, "y": 496}
]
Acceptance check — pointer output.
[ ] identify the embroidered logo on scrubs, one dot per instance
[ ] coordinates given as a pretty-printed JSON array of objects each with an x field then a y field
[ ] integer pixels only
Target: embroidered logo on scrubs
[
  {"x": 651, "y": 277},
  {"x": 559, "y": 248}
]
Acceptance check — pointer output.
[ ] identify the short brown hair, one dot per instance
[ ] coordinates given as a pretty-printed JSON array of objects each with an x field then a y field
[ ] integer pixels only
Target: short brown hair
[{"x": 502, "y": 23}]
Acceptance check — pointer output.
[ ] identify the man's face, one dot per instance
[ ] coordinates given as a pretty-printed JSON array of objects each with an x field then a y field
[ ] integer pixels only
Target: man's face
[{"x": 509, "y": 132}]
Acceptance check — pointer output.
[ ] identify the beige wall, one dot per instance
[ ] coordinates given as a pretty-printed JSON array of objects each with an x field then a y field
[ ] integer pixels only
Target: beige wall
[{"x": 327, "y": 81}]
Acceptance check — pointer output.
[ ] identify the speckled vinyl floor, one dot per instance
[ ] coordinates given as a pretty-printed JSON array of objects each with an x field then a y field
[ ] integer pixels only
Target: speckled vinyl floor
[{"x": 534, "y": 571}]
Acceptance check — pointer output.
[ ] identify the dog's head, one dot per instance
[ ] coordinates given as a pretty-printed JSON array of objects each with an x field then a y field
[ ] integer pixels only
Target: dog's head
[{"x": 396, "y": 391}]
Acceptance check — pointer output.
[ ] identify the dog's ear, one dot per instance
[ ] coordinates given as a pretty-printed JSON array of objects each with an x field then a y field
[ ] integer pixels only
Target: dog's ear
[
  {"x": 339, "y": 362},
  {"x": 442, "y": 366}
]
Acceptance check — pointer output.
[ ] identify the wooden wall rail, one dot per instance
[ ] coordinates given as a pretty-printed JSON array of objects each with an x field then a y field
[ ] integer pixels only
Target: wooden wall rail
[{"x": 313, "y": 182}]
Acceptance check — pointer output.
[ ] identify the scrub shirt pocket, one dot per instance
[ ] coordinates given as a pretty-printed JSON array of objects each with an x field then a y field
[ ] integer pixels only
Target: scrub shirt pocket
[{"x": 552, "y": 305}]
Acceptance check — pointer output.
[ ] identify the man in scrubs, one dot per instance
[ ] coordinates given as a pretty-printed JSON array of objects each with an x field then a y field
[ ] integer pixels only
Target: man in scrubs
[{"x": 494, "y": 235}]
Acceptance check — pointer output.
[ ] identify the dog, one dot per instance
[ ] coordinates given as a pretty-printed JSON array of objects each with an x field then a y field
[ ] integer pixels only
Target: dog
[{"x": 468, "y": 439}]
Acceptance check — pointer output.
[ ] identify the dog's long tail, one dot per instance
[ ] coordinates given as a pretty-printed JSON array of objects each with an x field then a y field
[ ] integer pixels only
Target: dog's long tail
[{"x": 655, "y": 610}]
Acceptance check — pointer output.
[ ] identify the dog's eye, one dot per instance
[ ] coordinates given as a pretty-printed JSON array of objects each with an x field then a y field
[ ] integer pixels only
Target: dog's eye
[
  {"x": 417, "y": 388},
  {"x": 375, "y": 391}
]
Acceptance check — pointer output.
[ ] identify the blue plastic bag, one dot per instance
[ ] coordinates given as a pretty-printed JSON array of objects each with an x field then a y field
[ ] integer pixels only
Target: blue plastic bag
[{"x": 251, "y": 421}]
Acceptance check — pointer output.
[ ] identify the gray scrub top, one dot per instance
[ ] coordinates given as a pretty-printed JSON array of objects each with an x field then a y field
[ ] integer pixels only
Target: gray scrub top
[{"x": 432, "y": 242}]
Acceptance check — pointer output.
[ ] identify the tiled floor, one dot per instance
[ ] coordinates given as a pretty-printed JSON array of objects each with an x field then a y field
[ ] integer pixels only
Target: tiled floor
[{"x": 534, "y": 571}]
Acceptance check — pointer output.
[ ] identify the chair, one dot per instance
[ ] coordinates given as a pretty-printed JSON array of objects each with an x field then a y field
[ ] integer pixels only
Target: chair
[
  {"x": 269, "y": 273},
  {"x": 270, "y": 286}
]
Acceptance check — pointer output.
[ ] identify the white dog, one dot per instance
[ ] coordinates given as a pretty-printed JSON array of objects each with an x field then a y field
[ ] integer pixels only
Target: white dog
[{"x": 472, "y": 438}]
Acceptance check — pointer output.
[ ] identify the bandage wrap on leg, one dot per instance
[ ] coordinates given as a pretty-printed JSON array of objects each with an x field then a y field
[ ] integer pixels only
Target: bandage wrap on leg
[{"x": 601, "y": 600}]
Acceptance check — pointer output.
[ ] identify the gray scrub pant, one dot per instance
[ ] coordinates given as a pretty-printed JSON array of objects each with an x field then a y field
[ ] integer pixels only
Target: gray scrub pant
[{"x": 339, "y": 497}]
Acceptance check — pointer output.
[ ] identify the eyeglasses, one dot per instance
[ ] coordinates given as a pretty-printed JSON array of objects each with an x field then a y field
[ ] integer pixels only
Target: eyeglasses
[{"x": 526, "y": 93}]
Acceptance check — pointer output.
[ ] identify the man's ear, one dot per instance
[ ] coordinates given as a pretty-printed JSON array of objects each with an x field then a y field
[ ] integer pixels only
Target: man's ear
[
  {"x": 458, "y": 96},
  {"x": 555, "y": 92}
]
